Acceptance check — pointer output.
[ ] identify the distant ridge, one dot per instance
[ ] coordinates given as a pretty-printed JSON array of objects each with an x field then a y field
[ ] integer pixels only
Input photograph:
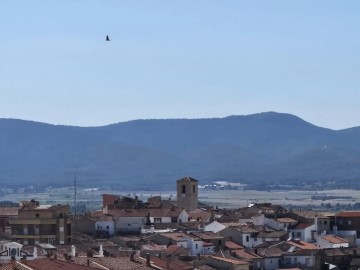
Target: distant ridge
[{"x": 264, "y": 149}]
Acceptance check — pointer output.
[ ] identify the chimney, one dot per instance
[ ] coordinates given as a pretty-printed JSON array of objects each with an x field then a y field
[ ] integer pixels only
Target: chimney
[
  {"x": 148, "y": 263},
  {"x": 132, "y": 256}
]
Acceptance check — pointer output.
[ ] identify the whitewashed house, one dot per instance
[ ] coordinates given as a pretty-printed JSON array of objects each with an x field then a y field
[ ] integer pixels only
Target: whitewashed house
[
  {"x": 332, "y": 241},
  {"x": 304, "y": 231}
]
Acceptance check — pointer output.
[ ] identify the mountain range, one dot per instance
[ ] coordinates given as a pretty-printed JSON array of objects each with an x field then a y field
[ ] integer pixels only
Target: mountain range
[{"x": 261, "y": 150}]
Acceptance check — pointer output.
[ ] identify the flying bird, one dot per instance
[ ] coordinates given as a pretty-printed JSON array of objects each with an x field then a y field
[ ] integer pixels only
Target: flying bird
[{"x": 107, "y": 38}]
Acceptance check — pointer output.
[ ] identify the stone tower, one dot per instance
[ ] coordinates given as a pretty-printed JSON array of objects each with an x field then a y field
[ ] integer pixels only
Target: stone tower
[{"x": 187, "y": 193}]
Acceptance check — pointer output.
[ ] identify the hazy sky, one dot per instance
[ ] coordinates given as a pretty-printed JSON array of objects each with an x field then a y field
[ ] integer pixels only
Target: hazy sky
[{"x": 179, "y": 59}]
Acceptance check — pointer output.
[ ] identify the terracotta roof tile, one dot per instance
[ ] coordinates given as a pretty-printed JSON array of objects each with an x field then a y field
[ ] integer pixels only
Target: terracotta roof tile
[
  {"x": 9, "y": 211},
  {"x": 232, "y": 245},
  {"x": 349, "y": 214},
  {"x": 233, "y": 261},
  {"x": 335, "y": 239}
]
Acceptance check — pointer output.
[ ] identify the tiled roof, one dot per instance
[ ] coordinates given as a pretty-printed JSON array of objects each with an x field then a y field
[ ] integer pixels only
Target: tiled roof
[
  {"x": 154, "y": 212},
  {"x": 246, "y": 255},
  {"x": 232, "y": 245},
  {"x": 274, "y": 234},
  {"x": 286, "y": 220},
  {"x": 232, "y": 261},
  {"x": 176, "y": 236},
  {"x": 245, "y": 229},
  {"x": 309, "y": 214},
  {"x": 174, "y": 248},
  {"x": 207, "y": 235},
  {"x": 9, "y": 211},
  {"x": 47, "y": 264},
  {"x": 187, "y": 179},
  {"x": 301, "y": 244},
  {"x": 335, "y": 239},
  {"x": 173, "y": 265},
  {"x": 349, "y": 214},
  {"x": 200, "y": 215},
  {"x": 118, "y": 263}
]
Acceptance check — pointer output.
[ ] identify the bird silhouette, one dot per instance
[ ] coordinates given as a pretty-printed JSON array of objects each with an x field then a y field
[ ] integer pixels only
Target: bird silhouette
[{"x": 107, "y": 38}]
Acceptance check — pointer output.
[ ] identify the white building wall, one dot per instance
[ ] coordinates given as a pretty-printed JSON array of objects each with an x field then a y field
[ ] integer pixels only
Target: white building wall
[
  {"x": 214, "y": 227},
  {"x": 107, "y": 226},
  {"x": 196, "y": 247},
  {"x": 183, "y": 217},
  {"x": 248, "y": 241},
  {"x": 306, "y": 234}
]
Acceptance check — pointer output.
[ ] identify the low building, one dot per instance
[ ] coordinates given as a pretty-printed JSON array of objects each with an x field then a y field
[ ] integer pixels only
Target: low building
[{"x": 332, "y": 241}]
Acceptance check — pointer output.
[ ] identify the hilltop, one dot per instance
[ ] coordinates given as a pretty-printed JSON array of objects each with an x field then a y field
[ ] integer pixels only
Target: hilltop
[{"x": 260, "y": 149}]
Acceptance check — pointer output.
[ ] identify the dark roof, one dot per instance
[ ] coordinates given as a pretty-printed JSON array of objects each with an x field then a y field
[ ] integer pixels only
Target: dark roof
[
  {"x": 349, "y": 214},
  {"x": 187, "y": 179}
]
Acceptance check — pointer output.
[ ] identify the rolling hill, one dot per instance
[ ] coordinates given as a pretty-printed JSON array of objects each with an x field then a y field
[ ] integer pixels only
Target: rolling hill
[{"x": 265, "y": 149}]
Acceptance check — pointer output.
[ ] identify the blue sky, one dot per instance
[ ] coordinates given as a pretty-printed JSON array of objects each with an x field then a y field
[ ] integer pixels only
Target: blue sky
[{"x": 179, "y": 59}]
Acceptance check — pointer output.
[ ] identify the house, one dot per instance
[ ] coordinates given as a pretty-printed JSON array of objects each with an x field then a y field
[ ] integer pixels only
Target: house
[
  {"x": 332, "y": 241},
  {"x": 243, "y": 235},
  {"x": 221, "y": 263},
  {"x": 304, "y": 231},
  {"x": 37, "y": 223},
  {"x": 113, "y": 221},
  {"x": 300, "y": 258},
  {"x": 193, "y": 243},
  {"x": 348, "y": 221},
  {"x": 322, "y": 220},
  {"x": 276, "y": 224}
]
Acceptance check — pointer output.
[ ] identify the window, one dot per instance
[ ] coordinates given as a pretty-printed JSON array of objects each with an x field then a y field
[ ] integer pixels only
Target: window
[
  {"x": 298, "y": 234},
  {"x": 255, "y": 239},
  {"x": 247, "y": 238},
  {"x": 194, "y": 188},
  {"x": 340, "y": 222},
  {"x": 60, "y": 215},
  {"x": 183, "y": 189},
  {"x": 349, "y": 222},
  {"x": 107, "y": 227},
  {"x": 325, "y": 222},
  {"x": 174, "y": 220},
  {"x": 37, "y": 215},
  {"x": 157, "y": 220},
  {"x": 196, "y": 246}
]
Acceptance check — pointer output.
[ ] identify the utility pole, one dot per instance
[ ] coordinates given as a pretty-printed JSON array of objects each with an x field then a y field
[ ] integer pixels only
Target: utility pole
[{"x": 75, "y": 203}]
